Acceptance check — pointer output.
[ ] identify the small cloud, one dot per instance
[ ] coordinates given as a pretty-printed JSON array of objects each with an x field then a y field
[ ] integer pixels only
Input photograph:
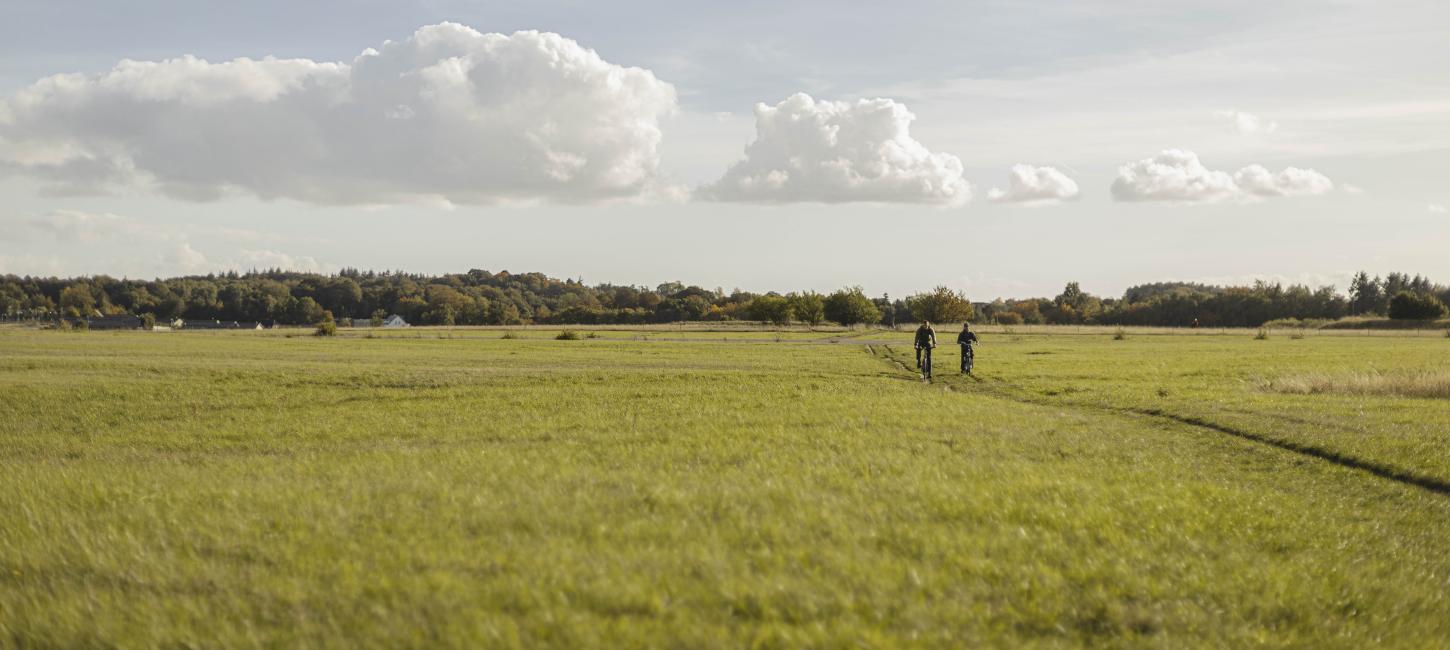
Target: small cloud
[
  {"x": 1248, "y": 123},
  {"x": 1351, "y": 189},
  {"x": 1291, "y": 181},
  {"x": 270, "y": 259},
  {"x": 1032, "y": 185},
  {"x": 183, "y": 256},
  {"x": 1177, "y": 176},
  {"x": 1437, "y": 208}
]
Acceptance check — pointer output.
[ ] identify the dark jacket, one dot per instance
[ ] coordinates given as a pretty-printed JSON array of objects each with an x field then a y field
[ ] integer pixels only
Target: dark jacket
[
  {"x": 925, "y": 337},
  {"x": 966, "y": 338}
]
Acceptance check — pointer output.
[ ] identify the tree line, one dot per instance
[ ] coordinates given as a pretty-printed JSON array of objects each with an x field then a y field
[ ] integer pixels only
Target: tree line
[{"x": 483, "y": 298}]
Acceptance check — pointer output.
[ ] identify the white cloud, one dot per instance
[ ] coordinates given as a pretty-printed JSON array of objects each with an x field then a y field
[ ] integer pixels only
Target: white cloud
[
  {"x": 248, "y": 260},
  {"x": 837, "y": 152},
  {"x": 185, "y": 258},
  {"x": 447, "y": 115},
  {"x": 1248, "y": 123},
  {"x": 1291, "y": 181},
  {"x": 1178, "y": 176},
  {"x": 1032, "y": 185},
  {"x": 1437, "y": 208}
]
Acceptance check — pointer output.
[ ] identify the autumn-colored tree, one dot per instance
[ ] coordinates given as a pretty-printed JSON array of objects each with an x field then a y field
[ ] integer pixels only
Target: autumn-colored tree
[{"x": 941, "y": 305}]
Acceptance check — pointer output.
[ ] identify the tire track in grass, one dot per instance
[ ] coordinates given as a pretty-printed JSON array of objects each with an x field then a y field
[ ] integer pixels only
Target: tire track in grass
[{"x": 1016, "y": 393}]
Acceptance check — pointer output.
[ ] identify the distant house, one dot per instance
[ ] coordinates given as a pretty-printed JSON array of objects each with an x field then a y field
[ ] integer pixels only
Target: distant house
[
  {"x": 219, "y": 325},
  {"x": 198, "y": 324},
  {"x": 395, "y": 321},
  {"x": 122, "y": 322}
]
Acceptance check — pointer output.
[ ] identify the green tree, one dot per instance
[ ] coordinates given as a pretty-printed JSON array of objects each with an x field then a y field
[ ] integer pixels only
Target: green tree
[
  {"x": 807, "y": 307},
  {"x": 887, "y": 309},
  {"x": 849, "y": 306},
  {"x": 503, "y": 312},
  {"x": 305, "y": 310},
  {"x": 941, "y": 305},
  {"x": 1365, "y": 294},
  {"x": 378, "y": 317},
  {"x": 1408, "y": 305},
  {"x": 770, "y": 308},
  {"x": 77, "y": 301}
]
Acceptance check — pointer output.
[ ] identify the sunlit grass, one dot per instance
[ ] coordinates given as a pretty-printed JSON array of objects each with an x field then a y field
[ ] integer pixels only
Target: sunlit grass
[
  {"x": 224, "y": 490},
  {"x": 1425, "y": 383}
]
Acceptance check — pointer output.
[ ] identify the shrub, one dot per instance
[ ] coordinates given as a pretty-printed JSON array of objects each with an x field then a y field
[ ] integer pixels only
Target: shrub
[
  {"x": 148, "y": 321},
  {"x": 327, "y": 327},
  {"x": 1295, "y": 323},
  {"x": 567, "y": 335},
  {"x": 850, "y": 306},
  {"x": 1262, "y": 335},
  {"x": 1009, "y": 318},
  {"x": 592, "y": 335},
  {"x": 510, "y": 335},
  {"x": 1415, "y": 306},
  {"x": 1120, "y": 334}
]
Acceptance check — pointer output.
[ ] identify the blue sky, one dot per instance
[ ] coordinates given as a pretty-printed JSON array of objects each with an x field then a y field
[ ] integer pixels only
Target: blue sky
[{"x": 1298, "y": 141}]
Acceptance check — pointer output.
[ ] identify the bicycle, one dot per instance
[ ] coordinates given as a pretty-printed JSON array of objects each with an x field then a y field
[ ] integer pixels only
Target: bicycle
[{"x": 923, "y": 361}]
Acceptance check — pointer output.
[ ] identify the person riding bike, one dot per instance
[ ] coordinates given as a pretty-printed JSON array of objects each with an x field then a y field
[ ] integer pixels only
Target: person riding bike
[
  {"x": 967, "y": 338},
  {"x": 925, "y": 341}
]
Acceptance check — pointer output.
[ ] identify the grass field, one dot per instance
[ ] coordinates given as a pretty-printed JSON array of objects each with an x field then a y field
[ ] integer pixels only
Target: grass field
[{"x": 721, "y": 488}]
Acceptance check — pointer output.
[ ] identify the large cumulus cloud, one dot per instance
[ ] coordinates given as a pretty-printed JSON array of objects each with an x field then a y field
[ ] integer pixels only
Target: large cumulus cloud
[
  {"x": 449, "y": 114},
  {"x": 1175, "y": 175},
  {"x": 835, "y": 152}
]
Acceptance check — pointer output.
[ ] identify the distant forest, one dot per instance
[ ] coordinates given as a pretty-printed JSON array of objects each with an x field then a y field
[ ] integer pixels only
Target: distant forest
[{"x": 484, "y": 298}]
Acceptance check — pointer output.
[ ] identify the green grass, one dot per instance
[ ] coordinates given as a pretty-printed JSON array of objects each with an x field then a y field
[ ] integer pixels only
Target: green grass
[
  {"x": 246, "y": 489},
  {"x": 1217, "y": 380}
]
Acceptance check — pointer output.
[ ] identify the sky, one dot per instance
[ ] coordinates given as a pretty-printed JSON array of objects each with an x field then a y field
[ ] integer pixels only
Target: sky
[{"x": 1001, "y": 148}]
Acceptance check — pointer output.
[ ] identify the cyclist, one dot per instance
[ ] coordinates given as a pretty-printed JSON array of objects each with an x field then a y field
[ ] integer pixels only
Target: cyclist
[
  {"x": 925, "y": 341},
  {"x": 967, "y": 338}
]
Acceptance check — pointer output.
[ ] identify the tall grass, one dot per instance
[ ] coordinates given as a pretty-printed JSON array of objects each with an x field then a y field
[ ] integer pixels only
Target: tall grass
[{"x": 1425, "y": 383}]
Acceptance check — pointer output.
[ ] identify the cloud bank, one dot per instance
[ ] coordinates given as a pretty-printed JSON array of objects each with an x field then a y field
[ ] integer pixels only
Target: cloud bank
[
  {"x": 1032, "y": 185},
  {"x": 1175, "y": 175},
  {"x": 838, "y": 152},
  {"x": 448, "y": 115}
]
